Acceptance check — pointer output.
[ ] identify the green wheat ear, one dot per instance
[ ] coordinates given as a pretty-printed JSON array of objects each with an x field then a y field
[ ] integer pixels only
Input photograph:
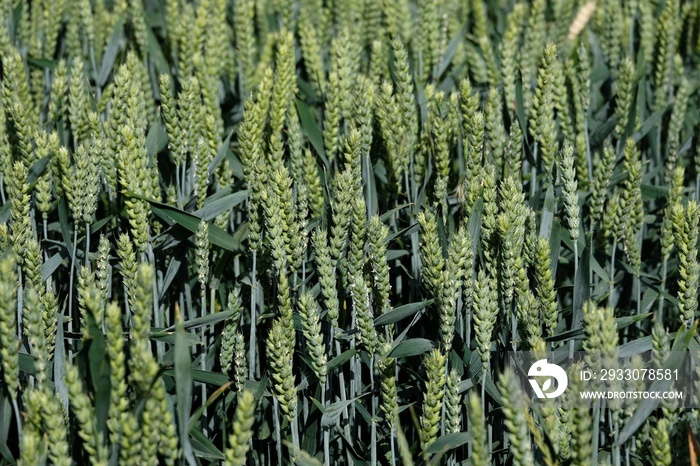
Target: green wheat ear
[
  {"x": 431, "y": 252},
  {"x": 509, "y": 50},
  {"x": 515, "y": 408},
  {"x": 361, "y": 300},
  {"x": 453, "y": 403},
  {"x": 570, "y": 188},
  {"x": 54, "y": 423},
  {"x": 9, "y": 340},
  {"x": 624, "y": 94},
  {"x": 377, "y": 234},
  {"x": 310, "y": 319},
  {"x": 84, "y": 411},
  {"x": 545, "y": 292},
  {"x": 232, "y": 351},
  {"x": 387, "y": 372},
  {"x": 280, "y": 350},
  {"x": 485, "y": 313},
  {"x": 389, "y": 116},
  {"x": 660, "y": 443},
  {"x": 481, "y": 456},
  {"x": 242, "y": 430},
  {"x": 581, "y": 420},
  {"x": 685, "y": 227},
  {"x": 542, "y": 124},
  {"x": 433, "y": 398}
]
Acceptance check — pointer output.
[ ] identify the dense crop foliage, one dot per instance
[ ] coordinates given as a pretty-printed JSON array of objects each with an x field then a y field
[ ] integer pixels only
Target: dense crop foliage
[{"x": 276, "y": 232}]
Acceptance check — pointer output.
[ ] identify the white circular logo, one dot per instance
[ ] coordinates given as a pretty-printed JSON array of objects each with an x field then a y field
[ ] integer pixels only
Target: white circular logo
[{"x": 541, "y": 369}]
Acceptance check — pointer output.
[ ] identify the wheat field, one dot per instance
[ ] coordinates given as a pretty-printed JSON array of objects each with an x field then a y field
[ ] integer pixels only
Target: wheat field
[{"x": 325, "y": 232}]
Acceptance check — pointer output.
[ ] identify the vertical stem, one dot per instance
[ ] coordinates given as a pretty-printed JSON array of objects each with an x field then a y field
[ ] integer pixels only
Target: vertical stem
[
  {"x": 177, "y": 185},
  {"x": 326, "y": 433},
  {"x": 513, "y": 328},
  {"x": 397, "y": 263},
  {"x": 589, "y": 159},
  {"x": 533, "y": 176},
  {"x": 595, "y": 440},
  {"x": 664, "y": 272},
  {"x": 20, "y": 300},
  {"x": 183, "y": 177},
  {"x": 611, "y": 301},
  {"x": 590, "y": 252},
  {"x": 483, "y": 392},
  {"x": 408, "y": 187},
  {"x": 59, "y": 361},
  {"x": 203, "y": 356},
  {"x": 415, "y": 258},
  {"x": 638, "y": 283},
  {"x": 18, "y": 417},
  {"x": 353, "y": 365},
  {"x": 460, "y": 317},
  {"x": 393, "y": 449},
  {"x": 368, "y": 192},
  {"x": 468, "y": 336},
  {"x": 415, "y": 265},
  {"x": 357, "y": 372},
  {"x": 212, "y": 297},
  {"x": 616, "y": 447},
  {"x": 303, "y": 273},
  {"x": 394, "y": 423},
  {"x": 278, "y": 434},
  {"x": 182, "y": 300},
  {"x": 343, "y": 397},
  {"x": 70, "y": 288},
  {"x": 157, "y": 316},
  {"x": 295, "y": 436},
  {"x": 373, "y": 455},
  {"x": 87, "y": 243},
  {"x": 253, "y": 295},
  {"x": 658, "y": 146}
]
